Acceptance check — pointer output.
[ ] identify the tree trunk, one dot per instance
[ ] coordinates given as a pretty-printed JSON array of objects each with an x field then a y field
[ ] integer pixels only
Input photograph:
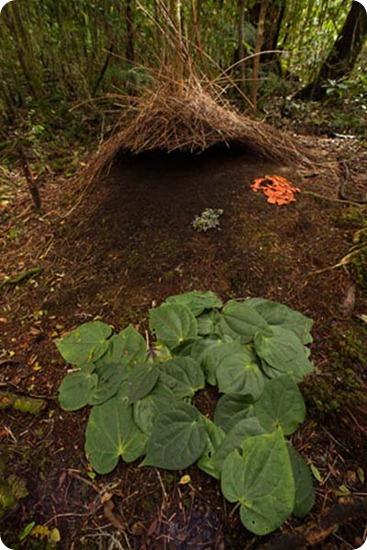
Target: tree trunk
[
  {"x": 343, "y": 54},
  {"x": 258, "y": 49},
  {"x": 130, "y": 42},
  {"x": 241, "y": 47},
  {"x": 274, "y": 17}
]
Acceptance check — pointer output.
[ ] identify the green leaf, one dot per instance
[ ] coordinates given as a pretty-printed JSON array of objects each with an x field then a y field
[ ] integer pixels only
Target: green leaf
[
  {"x": 261, "y": 481},
  {"x": 212, "y": 356},
  {"x": 183, "y": 376},
  {"x": 173, "y": 324},
  {"x": 147, "y": 409},
  {"x": 197, "y": 301},
  {"x": 85, "y": 344},
  {"x": 207, "y": 323},
  {"x": 280, "y": 404},
  {"x": 141, "y": 381},
  {"x": 232, "y": 408},
  {"x": 178, "y": 438},
  {"x": 235, "y": 438},
  {"x": 305, "y": 494},
  {"x": 109, "y": 381},
  {"x": 215, "y": 438},
  {"x": 241, "y": 321},
  {"x": 76, "y": 388},
  {"x": 111, "y": 433},
  {"x": 126, "y": 348},
  {"x": 285, "y": 317},
  {"x": 284, "y": 352},
  {"x": 239, "y": 373}
]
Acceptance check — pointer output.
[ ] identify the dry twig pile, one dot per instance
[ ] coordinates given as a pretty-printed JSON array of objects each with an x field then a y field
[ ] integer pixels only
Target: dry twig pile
[{"x": 189, "y": 115}]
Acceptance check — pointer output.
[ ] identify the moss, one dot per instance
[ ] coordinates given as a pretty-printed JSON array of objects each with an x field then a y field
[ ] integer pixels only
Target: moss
[
  {"x": 340, "y": 384},
  {"x": 358, "y": 267},
  {"x": 351, "y": 218}
]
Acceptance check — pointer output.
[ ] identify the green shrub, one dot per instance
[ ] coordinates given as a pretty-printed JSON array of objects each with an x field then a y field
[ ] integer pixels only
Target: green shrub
[{"x": 142, "y": 396}]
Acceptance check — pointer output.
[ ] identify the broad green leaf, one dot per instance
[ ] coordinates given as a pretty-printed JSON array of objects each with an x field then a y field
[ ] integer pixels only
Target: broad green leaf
[
  {"x": 197, "y": 301},
  {"x": 305, "y": 494},
  {"x": 283, "y": 351},
  {"x": 215, "y": 438},
  {"x": 178, "y": 438},
  {"x": 207, "y": 323},
  {"x": 173, "y": 324},
  {"x": 85, "y": 344},
  {"x": 109, "y": 381},
  {"x": 126, "y": 348},
  {"x": 285, "y": 317},
  {"x": 212, "y": 356},
  {"x": 183, "y": 376},
  {"x": 147, "y": 409},
  {"x": 232, "y": 408},
  {"x": 241, "y": 321},
  {"x": 200, "y": 346},
  {"x": 239, "y": 373},
  {"x": 235, "y": 438},
  {"x": 142, "y": 380},
  {"x": 112, "y": 434},
  {"x": 280, "y": 404},
  {"x": 76, "y": 388},
  {"x": 261, "y": 480}
]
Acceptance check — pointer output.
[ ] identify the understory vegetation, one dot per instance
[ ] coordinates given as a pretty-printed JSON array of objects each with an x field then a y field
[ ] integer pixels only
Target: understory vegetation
[
  {"x": 142, "y": 396},
  {"x": 149, "y": 148}
]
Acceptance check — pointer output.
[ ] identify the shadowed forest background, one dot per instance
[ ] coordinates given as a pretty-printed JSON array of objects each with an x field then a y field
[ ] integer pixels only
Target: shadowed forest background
[{"x": 121, "y": 124}]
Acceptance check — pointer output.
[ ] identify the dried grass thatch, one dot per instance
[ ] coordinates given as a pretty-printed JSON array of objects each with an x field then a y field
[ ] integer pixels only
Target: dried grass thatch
[{"x": 190, "y": 115}]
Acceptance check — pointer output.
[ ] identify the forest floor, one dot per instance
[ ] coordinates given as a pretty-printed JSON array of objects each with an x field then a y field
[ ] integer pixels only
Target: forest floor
[{"x": 129, "y": 243}]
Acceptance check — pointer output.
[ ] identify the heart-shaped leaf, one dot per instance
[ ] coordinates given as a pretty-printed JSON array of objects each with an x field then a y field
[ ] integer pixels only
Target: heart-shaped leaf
[
  {"x": 207, "y": 323},
  {"x": 85, "y": 344},
  {"x": 280, "y": 404},
  {"x": 261, "y": 480},
  {"x": 76, "y": 388},
  {"x": 305, "y": 494},
  {"x": 178, "y": 438},
  {"x": 239, "y": 373},
  {"x": 215, "y": 438},
  {"x": 197, "y": 301},
  {"x": 235, "y": 438},
  {"x": 232, "y": 408},
  {"x": 147, "y": 409},
  {"x": 183, "y": 376},
  {"x": 283, "y": 351},
  {"x": 112, "y": 434},
  {"x": 212, "y": 356},
  {"x": 109, "y": 381},
  {"x": 173, "y": 324},
  {"x": 285, "y": 317},
  {"x": 241, "y": 321},
  {"x": 126, "y": 348},
  {"x": 142, "y": 380}
]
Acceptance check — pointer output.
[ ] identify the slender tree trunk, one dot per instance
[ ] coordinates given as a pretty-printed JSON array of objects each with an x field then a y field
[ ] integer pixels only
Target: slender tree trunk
[
  {"x": 343, "y": 54},
  {"x": 259, "y": 42},
  {"x": 241, "y": 47},
  {"x": 130, "y": 39}
]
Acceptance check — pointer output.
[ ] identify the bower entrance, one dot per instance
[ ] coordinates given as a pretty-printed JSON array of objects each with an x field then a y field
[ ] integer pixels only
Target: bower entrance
[{"x": 188, "y": 116}]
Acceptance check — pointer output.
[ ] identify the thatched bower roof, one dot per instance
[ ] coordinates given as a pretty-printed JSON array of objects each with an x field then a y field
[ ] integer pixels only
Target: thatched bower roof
[{"x": 189, "y": 116}]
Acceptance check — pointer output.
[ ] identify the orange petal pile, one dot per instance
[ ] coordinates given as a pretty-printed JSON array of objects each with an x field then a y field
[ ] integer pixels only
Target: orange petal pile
[{"x": 277, "y": 190}]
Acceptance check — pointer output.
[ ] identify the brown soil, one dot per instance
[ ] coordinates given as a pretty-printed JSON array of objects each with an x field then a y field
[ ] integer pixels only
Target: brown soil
[{"x": 128, "y": 244}]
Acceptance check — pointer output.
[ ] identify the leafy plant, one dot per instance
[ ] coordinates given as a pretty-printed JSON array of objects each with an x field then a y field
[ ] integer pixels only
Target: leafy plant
[
  {"x": 143, "y": 398},
  {"x": 208, "y": 219}
]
